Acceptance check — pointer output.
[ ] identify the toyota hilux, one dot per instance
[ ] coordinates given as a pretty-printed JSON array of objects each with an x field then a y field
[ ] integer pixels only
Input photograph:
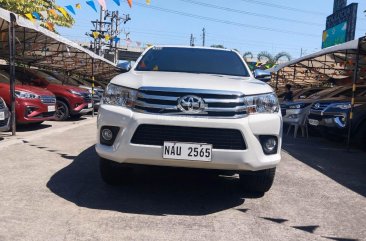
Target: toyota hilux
[{"x": 190, "y": 107}]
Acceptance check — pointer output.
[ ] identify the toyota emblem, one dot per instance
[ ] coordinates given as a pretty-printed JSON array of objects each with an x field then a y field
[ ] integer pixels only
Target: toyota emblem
[
  {"x": 191, "y": 104},
  {"x": 317, "y": 106}
]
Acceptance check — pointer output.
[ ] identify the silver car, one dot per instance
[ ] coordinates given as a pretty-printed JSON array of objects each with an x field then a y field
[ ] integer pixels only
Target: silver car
[{"x": 4, "y": 116}]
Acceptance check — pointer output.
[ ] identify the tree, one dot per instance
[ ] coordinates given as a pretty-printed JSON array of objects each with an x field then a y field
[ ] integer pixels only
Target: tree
[
  {"x": 248, "y": 54},
  {"x": 271, "y": 60},
  {"x": 23, "y": 7},
  {"x": 219, "y": 46}
]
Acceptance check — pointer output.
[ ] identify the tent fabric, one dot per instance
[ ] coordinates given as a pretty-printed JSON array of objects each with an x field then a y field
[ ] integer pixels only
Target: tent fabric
[
  {"x": 39, "y": 47},
  {"x": 327, "y": 66}
]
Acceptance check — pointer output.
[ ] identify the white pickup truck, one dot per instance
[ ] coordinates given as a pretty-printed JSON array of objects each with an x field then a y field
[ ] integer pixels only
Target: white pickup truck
[{"x": 190, "y": 107}]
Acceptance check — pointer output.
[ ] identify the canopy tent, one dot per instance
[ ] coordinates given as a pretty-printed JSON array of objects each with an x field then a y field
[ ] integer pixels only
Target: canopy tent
[
  {"x": 344, "y": 61},
  {"x": 39, "y": 47},
  {"x": 330, "y": 64}
]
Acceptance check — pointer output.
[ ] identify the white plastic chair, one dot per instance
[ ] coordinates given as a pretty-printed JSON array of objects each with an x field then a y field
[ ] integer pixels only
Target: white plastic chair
[{"x": 302, "y": 123}]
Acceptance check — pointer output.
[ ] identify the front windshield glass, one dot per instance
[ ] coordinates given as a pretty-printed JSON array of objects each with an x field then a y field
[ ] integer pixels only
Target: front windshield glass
[
  {"x": 193, "y": 60},
  {"x": 4, "y": 78},
  {"x": 47, "y": 77},
  {"x": 322, "y": 93}
]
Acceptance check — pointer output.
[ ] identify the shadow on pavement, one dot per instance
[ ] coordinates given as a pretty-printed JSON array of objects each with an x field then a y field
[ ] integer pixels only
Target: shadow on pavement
[
  {"x": 153, "y": 190},
  {"x": 331, "y": 159},
  {"x": 32, "y": 127}
]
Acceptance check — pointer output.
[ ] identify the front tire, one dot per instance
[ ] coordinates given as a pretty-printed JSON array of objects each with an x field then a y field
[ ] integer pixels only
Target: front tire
[
  {"x": 113, "y": 173},
  {"x": 62, "y": 111},
  {"x": 258, "y": 181}
]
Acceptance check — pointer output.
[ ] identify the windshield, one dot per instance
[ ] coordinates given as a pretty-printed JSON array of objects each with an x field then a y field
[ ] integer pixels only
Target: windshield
[
  {"x": 323, "y": 93},
  {"x": 47, "y": 77},
  {"x": 193, "y": 60},
  {"x": 4, "y": 78}
]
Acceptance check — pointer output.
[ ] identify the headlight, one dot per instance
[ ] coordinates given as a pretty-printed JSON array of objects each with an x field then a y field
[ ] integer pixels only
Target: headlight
[
  {"x": 76, "y": 93},
  {"x": 296, "y": 106},
  {"x": 342, "y": 106},
  {"x": 25, "y": 95},
  {"x": 267, "y": 103},
  {"x": 118, "y": 95}
]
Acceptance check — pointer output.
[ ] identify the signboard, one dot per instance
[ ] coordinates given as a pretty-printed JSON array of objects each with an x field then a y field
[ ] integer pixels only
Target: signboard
[
  {"x": 335, "y": 35},
  {"x": 339, "y": 4},
  {"x": 347, "y": 14}
]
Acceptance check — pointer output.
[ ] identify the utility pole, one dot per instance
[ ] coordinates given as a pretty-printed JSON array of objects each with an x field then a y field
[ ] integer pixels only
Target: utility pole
[
  {"x": 108, "y": 25},
  {"x": 203, "y": 36},
  {"x": 192, "y": 40}
]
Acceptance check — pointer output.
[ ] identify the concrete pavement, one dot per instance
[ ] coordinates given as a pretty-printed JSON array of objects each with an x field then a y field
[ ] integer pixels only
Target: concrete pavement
[{"x": 51, "y": 190}]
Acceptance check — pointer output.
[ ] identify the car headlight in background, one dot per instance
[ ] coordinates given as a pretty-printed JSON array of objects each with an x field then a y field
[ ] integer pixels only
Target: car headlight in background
[
  {"x": 297, "y": 106},
  {"x": 25, "y": 95},
  {"x": 120, "y": 96},
  {"x": 266, "y": 103},
  {"x": 342, "y": 106},
  {"x": 76, "y": 93}
]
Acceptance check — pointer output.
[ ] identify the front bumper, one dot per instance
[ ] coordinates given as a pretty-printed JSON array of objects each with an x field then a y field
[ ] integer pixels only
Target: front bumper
[
  {"x": 33, "y": 110},
  {"x": 336, "y": 120},
  {"x": 5, "y": 123},
  {"x": 251, "y": 127}
]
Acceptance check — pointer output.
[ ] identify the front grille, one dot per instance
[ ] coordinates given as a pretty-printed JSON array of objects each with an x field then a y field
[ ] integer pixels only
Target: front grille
[
  {"x": 165, "y": 101},
  {"x": 48, "y": 99},
  {"x": 45, "y": 115},
  {"x": 87, "y": 97},
  {"x": 155, "y": 135},
  {"x": 319, "y": 106},
  {"x": 2, "y": 104},
  {"x": 3, "y": 122}
]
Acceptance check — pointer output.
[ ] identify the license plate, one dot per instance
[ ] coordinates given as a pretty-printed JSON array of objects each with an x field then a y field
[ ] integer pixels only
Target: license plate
[
  {"x": 90, "y": 105},
  {"x": 2, "y": 115},
  {"x": 51, "y": 108},
  {"x": 313, "y": 122},
  {"x": 187, "y": 151}
]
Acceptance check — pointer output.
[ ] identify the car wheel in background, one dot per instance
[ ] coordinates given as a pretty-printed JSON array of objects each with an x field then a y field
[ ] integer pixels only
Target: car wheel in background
[
  {"x": 113, "y": 173},
  {"x": 62, "y": 111},
  {"x": 258, "y": 181}
]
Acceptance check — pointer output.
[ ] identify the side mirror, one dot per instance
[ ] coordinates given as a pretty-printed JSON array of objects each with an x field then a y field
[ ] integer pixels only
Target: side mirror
[
  {"x": 262, "y": 75},
  {"x": 124, "y": 67}
]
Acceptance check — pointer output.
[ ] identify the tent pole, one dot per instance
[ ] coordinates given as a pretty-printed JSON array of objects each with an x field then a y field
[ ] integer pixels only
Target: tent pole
[
  {"x": 355, "y": 76},
  {"x": 12, "y": 71},
  {"x": 93, "y": 86},
  {"x": 277, "y": 81}
]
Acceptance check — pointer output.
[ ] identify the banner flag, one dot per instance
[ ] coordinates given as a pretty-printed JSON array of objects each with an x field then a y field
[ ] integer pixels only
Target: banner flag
[
  {"x": 36, "y": 15},
  {"x": 63, "y": 11},
  {"x": 103, "y": 4},
  {"x": 116, "y": 39},
  {"x": 148, "y": 2},
  {"x": 30, "y": 17},
  {"x": 107, "y": 37},
  {"x": 117, "y": 2},
  {"x": 71, "y": 9},
  {"x": 44, "y": 14},
  {"x": 129, "y": 3},
  {"x": 53, "y": 12},
  {"x": 96, "y": 34},
  {"x": 92, "y": 5},
  {"x": 78, "y": 6}
]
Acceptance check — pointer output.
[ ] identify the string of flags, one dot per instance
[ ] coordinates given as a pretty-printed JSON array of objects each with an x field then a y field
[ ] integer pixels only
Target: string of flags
[{"x": 43, "y": 15}]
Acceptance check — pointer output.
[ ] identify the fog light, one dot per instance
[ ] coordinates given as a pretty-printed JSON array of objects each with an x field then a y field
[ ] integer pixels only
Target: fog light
[
  {"x": 108, "y": 135},
  {"x": 269, "y": 144}
]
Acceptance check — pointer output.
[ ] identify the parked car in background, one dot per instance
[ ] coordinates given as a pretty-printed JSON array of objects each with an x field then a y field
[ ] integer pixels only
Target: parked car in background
[
  {"x": 97, "y": 96},
  {"x": 295, "y": 109},
  {"x": 33, "y": 104},
  {"x": 4, "y": 116},
  {"x": 298, "y": 94},
  {"x": 331, "y": 117},
  {"x": 70, "y": 100}
]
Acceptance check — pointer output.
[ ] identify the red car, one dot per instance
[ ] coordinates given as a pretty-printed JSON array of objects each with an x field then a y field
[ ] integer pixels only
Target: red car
[
  {"x": 33, "y": 105},
  {"x": 70, "y": 100}
]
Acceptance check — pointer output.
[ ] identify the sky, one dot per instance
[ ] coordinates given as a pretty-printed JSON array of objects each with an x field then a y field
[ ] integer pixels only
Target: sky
[{"x": 293, "y": 26}]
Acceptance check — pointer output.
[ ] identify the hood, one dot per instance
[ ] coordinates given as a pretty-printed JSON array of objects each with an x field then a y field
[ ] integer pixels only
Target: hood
[
  {"x": 138, "y": 79},
  {"x": 358, "y": 99},
  {"x": 33, "y": 89},
  {"x": 67, "y": 87}
]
